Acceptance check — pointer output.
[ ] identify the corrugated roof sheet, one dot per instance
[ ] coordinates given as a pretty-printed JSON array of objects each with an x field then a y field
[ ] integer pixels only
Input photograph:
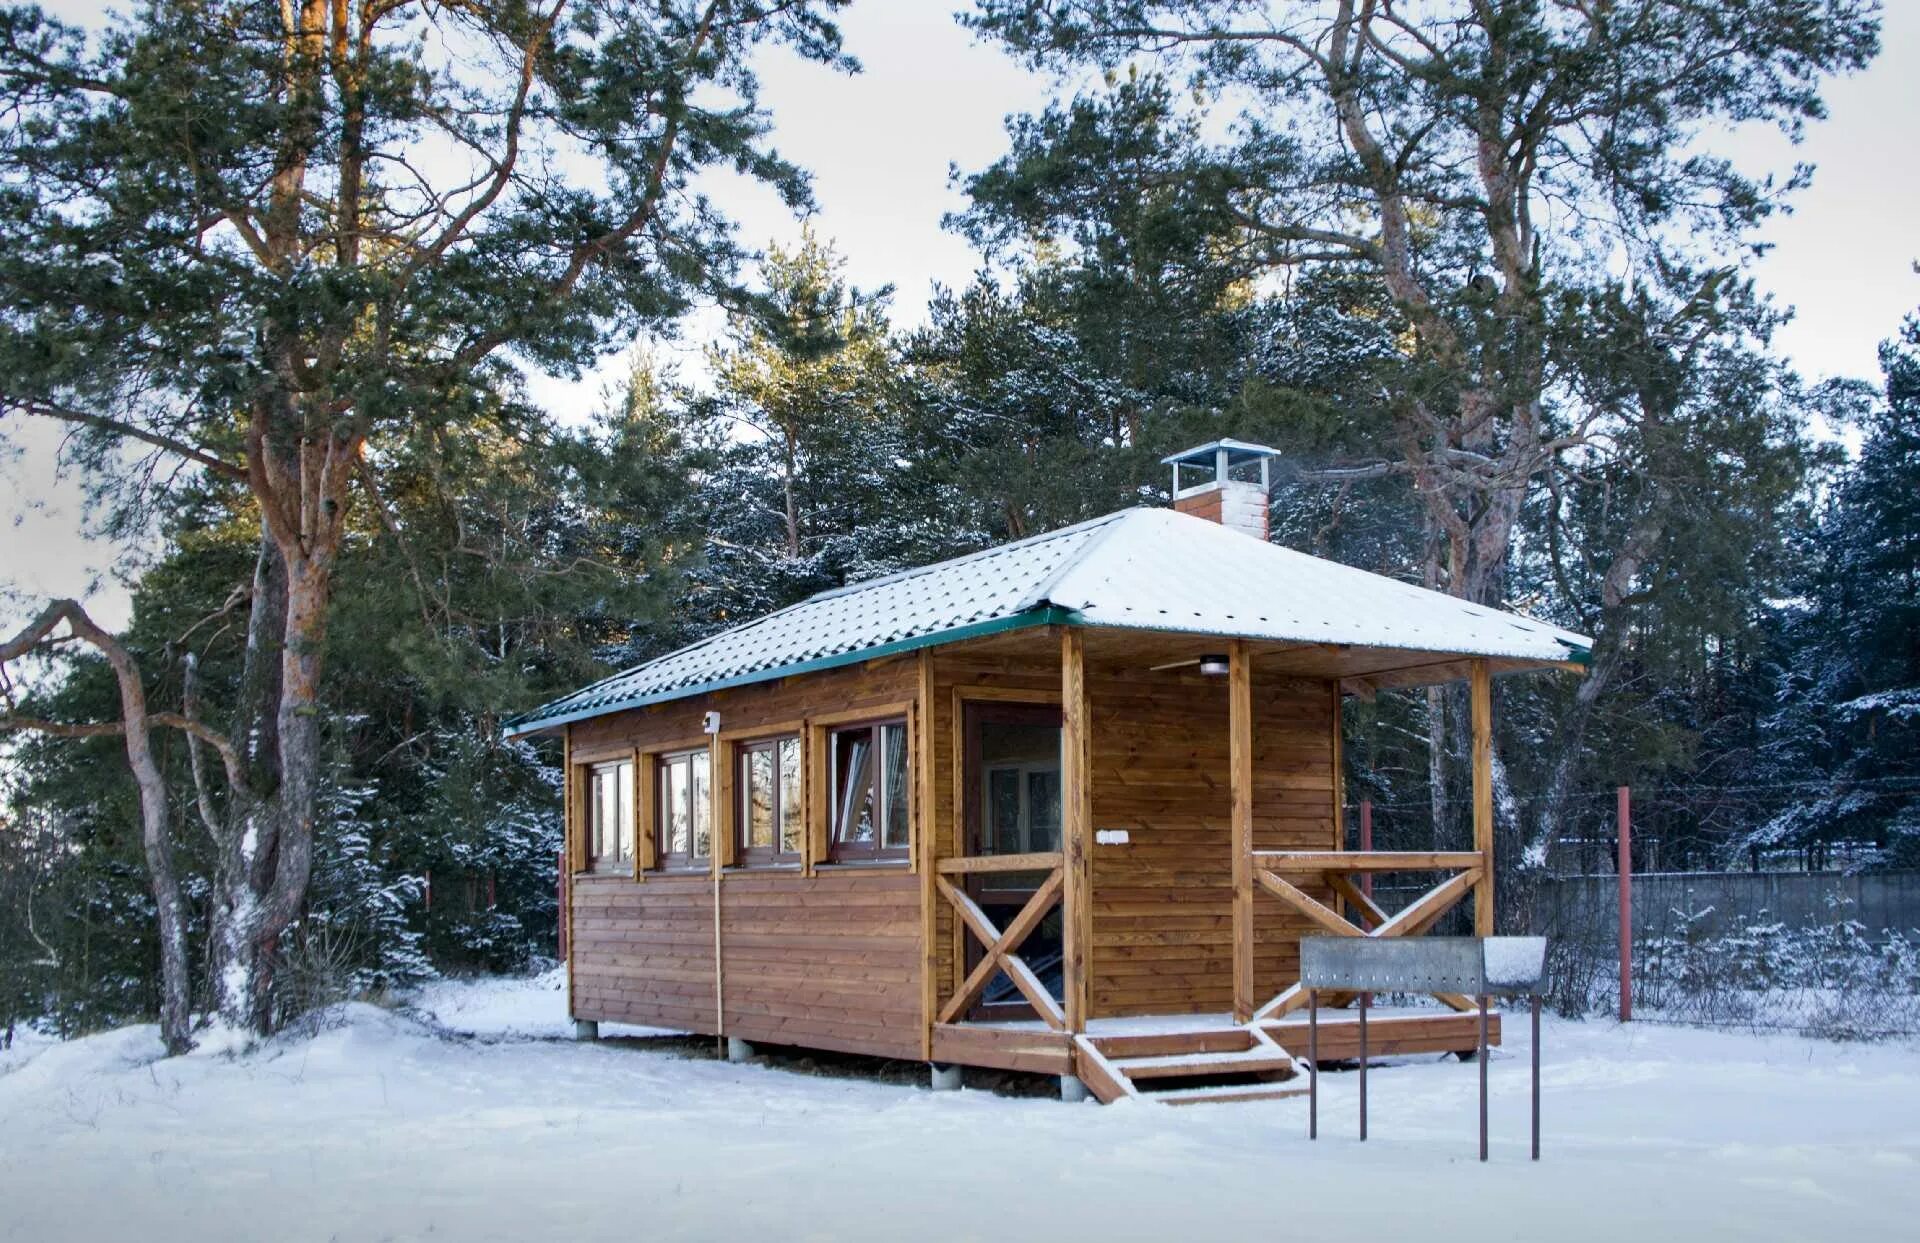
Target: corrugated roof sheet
[{"x": 1146, "y": 569}]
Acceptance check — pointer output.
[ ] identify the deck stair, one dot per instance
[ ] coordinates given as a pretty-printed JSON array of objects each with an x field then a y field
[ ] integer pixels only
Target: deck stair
[{"x": 1185, "y": 1067}]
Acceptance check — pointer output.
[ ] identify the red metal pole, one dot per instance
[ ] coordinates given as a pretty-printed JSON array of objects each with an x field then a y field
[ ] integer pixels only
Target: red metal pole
[
  {"x": 1625, "y": 868},
  {"x": 1366, "y": 842}
]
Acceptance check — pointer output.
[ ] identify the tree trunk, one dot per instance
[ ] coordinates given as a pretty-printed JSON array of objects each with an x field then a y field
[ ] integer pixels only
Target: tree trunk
[
  {"x": 1609, "y": 652},
  {"x": 792, "y": 503},
  {"x": 156, "y": 838},
  {"x": 268, "y": 855}
]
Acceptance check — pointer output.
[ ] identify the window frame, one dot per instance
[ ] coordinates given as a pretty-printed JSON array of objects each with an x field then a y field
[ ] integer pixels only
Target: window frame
[
  {"x": 851, "y": 853},
  {"x": 666, "y": 859},
  {"x": 619, "y": 862},
  {"x": 742, "y": 854}
]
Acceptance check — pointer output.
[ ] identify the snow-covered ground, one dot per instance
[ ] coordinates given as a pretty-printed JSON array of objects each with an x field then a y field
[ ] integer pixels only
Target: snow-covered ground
[{"x": 474, "y": 1123}]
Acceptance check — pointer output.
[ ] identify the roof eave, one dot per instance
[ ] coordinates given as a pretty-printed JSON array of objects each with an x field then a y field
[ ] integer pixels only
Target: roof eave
[{"x": 1042, "y": 615}]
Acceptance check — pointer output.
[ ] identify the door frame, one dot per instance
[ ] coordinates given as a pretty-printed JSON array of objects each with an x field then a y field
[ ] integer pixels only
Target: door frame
[{"x": 967, "y": 700}]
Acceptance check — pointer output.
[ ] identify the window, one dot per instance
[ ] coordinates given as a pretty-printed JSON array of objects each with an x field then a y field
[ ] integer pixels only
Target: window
[
  {"x": 610, "y": 816},
  {"x": 771, "y": 812},
  {"x": 868, "y": 803},
  {"x": 685, "y": 832},
  {"x": 1023, "y": 808}
]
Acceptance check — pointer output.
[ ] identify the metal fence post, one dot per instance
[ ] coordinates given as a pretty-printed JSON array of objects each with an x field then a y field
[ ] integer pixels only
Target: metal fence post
[
  {"x": 1625, "y": 869},
  {"x": 1364, "y": 999},
  {"x": 1366, "y": 842},
  {"x": 1313, "y": 1063}
]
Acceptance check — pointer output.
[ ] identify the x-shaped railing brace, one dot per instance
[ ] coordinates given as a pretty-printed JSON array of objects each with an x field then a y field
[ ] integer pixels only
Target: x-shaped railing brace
[
  {"x": 1000, "y": 947},
  {"x": 1419, "y": 915}
]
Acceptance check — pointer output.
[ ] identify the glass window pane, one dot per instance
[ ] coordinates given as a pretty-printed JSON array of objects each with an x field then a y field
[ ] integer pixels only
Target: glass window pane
[
  {"x": 610, "y": 812},
  {"x": 791, "y": 804},
  {"x": 597, "y": 813},
  {"x": 675, "y": 829},
  {"x": 893, "y": 764},
  {"x": 853, "y": 787},
  {"x": 1003, "y": 812},
  {"x": 701, "y": 794},
  {"x": 1043, "y": 804},
  {"x": 758, "y": 815},
  {"x": 623, "y": 791}
]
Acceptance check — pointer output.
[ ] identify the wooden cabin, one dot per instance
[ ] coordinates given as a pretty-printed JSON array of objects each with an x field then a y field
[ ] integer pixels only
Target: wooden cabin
[{"x": 1063, "y": 806}]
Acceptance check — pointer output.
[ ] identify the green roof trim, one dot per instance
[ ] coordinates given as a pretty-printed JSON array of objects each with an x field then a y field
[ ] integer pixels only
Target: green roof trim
[{"x": 1045, "y": 615}]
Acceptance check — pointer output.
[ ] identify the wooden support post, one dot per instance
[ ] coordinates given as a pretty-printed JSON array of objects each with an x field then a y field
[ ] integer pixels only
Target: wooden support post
[
  {"x": 646, "y": 802},
  {"x": 1625, "y": 869},
  {"x": 1240, "y": 782},
  {"x": 561, "y": 894},
  {"x": 569, "y": 854},
  {"x": 1482, "y": 694},
  {"x": 1076, "y": 825},
  {"x": 925, "y": 850}
]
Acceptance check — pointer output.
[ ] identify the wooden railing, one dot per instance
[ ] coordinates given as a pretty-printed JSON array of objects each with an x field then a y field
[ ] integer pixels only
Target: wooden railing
[
  {"x": 1000, "y": 948},
  {"x": 1277, "y": 871}
]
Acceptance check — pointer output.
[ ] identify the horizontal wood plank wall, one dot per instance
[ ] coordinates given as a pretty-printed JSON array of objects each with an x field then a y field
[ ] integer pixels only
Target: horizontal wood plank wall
[
  {"x": 643, "y": 953},
  {"x": 1163, "y": 902},
  {"x": 826, "y": 961},
  {"x": 830, "y": 962}
]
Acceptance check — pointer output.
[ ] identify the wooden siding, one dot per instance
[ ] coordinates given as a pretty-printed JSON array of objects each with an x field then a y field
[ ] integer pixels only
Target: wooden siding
[
  {"x": 1163, "y": 902},
  {"x": 837, "y": 958},
  {"x": 644, "y": 953},
  {"x": 828, "y": 962},
  {"x": 820, "y": 957}
]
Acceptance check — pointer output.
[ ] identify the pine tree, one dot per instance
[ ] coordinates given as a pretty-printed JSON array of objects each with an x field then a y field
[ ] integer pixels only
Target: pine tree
[
  {"x": 216, "y": 243},
  {"x": 1848, "y": 716}
]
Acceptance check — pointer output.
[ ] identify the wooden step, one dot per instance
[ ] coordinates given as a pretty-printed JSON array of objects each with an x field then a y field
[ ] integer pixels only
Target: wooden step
[
  {"x": 1227, "y": 1095},
  {"x": 1176, "y": 1066},
  {"x": 1263, "y": 1060},
  {"x": 1165, "y": 1044},
  {"x": 1396, "y": 1035}
]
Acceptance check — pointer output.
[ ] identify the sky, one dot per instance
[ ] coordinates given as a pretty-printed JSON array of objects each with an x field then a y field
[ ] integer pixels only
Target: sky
[{"x": 880, "y": 145}]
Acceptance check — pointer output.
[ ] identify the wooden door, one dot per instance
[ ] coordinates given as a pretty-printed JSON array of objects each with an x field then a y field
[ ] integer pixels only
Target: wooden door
[{"x": 1011, "y": 805}]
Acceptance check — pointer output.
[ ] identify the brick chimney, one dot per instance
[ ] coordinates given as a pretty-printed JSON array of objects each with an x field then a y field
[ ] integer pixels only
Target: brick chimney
[{"x": 1226, "y": 482}]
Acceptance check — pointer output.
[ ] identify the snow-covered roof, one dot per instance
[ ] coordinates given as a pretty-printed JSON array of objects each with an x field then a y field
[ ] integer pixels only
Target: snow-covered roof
[{"x": 1139, "y": 569}]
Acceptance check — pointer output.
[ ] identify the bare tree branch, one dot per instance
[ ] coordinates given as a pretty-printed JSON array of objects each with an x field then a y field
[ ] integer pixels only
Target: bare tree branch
[{"x": 159, "y": 440}]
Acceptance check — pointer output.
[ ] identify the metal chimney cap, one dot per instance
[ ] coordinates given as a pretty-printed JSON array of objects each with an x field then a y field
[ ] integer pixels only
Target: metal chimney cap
[{"x": 1237, "y": 451}]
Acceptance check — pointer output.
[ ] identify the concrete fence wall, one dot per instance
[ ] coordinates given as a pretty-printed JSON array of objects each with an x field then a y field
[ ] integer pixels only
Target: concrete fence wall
[{"x": 1585, "y": 906}]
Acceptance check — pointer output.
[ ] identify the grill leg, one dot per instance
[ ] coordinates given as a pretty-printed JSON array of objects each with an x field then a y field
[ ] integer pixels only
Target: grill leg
[
  {"x": 1534, "y": 1005},
  {"x": 1364, "y": 999},
  {"x": 1313, "y": 1064},
  {"x": 1483, "y": 1078}
]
